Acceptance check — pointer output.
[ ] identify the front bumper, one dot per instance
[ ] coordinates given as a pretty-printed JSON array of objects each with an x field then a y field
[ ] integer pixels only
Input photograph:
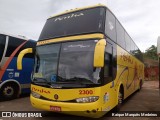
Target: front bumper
[{"x": 81, "y": 109}]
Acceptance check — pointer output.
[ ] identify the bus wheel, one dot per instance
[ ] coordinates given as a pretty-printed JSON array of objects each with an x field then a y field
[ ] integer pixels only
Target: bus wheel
[
  {"x": 120, "y": 100},
  {"x": 9, "y": 91},
  {"x": 140, "y": 85}
]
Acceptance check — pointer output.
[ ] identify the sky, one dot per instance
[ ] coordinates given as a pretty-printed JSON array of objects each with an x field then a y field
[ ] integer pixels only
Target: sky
[{"x": 140, "y": 18}]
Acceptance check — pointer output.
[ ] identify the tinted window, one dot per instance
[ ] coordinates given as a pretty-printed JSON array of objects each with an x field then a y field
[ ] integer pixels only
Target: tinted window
[
  {"x": 114, "y": 62},
  {"x": 138, "y": 53},
  {"x": 109, "y": 48},
  {"x": 110, "y": 27},
  {"x": 136, "y": 50},
  {"x": 79, "y": 22},
  {"x": 108, "y": 64},
  {"x": 2, "y": 45},
  {"x": 12, "y": 45},
  {"x": 120, "y": 34},
  {"x": 132, "y": 47},
  {"x": 128, "y": 42}
]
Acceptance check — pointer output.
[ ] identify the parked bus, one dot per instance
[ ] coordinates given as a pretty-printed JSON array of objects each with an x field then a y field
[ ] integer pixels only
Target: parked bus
[
  {"x": 13, "y": 81},
  {"x": 85, "y": 62}
]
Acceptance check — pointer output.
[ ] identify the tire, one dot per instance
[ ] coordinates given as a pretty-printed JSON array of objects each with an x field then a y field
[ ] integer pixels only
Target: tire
[
  {"x": 9, "y": 91},
  {"x": 120, "y": 100},
  {"x": 140, "y": 85}
]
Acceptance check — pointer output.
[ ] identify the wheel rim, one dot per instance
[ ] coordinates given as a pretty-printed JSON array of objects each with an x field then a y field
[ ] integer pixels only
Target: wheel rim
[
  {"x": 8, "y": 91},
  {"x": 120, "y": 98}
]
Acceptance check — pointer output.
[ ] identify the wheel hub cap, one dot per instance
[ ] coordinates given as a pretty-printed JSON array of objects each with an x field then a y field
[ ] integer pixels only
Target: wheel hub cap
[{"x": 8, "y": 91}]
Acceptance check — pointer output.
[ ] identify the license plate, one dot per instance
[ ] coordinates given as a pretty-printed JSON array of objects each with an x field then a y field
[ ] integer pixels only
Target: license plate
[{"x": 55, "y": 108}]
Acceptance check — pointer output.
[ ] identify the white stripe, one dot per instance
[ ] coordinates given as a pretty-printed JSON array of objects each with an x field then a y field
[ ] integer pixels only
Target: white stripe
[{"x": 5, "y": 49}]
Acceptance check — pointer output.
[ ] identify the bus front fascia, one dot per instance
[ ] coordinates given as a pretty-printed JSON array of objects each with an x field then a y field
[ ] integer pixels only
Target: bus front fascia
[
  {"x": 99, "y": 53},
  {"x": 21, "y": 55}
]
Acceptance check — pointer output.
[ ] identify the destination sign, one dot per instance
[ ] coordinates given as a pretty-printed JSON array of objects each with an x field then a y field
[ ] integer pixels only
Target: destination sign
[{"x": 74, "y": 23}]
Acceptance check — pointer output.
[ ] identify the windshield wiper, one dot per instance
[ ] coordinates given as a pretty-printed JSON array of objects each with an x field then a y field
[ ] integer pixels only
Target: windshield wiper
[
  {"x": 78, "y": 80},
  {"x": 41, "y": 81},
  {"x": 82, "y": 80},
  {"x": 61, "y": 80},
  {"x": 74, "y": 80}
]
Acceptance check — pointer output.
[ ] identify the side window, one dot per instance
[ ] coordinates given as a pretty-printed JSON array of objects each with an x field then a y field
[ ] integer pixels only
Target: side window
[
  {"x": 138, "y": 54},
  {"x": 114, "y": 62},
  {"x": 2, "y": 45},
  {"x": 111, "y": 46},
  {"x": 132, "y": 47},
  {"x": 12, "y": 45},
  {"x": 108, "y": 64},
  {"x": 128, "y": 42},
  {"x": 110, "y": 27},
  {"x": 120, "y": 35},
  {"x": 136, "y": 51}
]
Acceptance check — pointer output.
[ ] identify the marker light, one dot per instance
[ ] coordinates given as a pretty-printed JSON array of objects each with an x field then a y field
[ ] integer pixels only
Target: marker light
[{"x": 87, "y": 99}]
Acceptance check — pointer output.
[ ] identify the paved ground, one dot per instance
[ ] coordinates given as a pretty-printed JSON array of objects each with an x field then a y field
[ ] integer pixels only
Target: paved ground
[
  {"x": 148, "y": 99},
  {"x": 151, "y": 84}
]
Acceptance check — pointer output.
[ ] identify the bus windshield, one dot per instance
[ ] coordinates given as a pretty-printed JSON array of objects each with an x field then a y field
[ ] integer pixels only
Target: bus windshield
[{"x": 69, "y": 62}]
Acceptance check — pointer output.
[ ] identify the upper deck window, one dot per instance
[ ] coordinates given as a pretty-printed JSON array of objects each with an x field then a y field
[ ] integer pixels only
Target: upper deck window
[
  {"x": 2, "y": 45},
  {"x": 120, "y": 35},
  {"x": 12, "y": 45},
  {"x": 110, "y": 27},
  {"x": 79, "y": 22}
]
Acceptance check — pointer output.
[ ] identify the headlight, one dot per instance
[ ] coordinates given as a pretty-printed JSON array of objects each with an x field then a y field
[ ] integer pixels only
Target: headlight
[
  {"x": 87, "y": 99},
  {"x": 36, "y": 95}
]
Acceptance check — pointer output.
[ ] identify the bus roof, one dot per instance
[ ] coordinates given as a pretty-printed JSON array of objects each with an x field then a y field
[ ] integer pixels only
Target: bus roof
[
  {"x": 16, "y": 36},
  {"x": 77, "y": 9}
]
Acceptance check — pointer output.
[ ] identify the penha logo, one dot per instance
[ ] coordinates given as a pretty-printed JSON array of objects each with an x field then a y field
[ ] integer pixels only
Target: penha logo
[
  {"x": 40, "y": 90},
  {"x": 68, "y": 17}
]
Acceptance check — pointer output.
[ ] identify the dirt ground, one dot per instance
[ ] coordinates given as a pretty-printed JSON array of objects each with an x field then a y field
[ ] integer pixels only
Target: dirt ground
[{"x": 151, "y": 84}]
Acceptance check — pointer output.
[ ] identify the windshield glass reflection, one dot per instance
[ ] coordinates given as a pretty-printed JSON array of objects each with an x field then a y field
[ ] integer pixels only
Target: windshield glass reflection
[{"x": 70, "y": 62}]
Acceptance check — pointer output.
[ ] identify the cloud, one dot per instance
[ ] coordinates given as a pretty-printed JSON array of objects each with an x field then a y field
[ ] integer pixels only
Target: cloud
[
  {"x": 139, "y": 18},
  {"x": 25, "y": 18}
]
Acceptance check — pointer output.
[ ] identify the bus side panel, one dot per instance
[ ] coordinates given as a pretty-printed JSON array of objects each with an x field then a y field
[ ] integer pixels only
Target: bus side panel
[
  {"x": 109, "y": 95},
  {"x": 23, "y": 76},
  {"x": 130, "y": 71}
]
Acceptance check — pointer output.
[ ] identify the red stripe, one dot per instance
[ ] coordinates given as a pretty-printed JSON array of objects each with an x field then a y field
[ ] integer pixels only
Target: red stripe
[{"x": 3, "y": 69}]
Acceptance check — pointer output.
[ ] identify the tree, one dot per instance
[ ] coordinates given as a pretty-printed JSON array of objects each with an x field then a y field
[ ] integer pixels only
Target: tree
[{"x": 151, "y": 53}]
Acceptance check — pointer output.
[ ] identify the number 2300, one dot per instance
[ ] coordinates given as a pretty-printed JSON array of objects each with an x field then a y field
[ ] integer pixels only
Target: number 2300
[{"x": 85, "y": 92}]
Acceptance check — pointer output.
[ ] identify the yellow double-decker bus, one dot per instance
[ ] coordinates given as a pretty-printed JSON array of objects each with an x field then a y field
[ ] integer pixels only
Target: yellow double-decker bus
[{"x": 86, "y": 63}]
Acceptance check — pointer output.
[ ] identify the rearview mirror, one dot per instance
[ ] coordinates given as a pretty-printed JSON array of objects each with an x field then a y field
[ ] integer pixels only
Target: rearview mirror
[
  {"x": 99, "y": 53},
  {"x": 20, "y": 57}
]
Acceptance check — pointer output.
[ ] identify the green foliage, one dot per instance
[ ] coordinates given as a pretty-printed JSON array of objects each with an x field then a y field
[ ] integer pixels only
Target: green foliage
[{"x": 151, "y": 53}]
